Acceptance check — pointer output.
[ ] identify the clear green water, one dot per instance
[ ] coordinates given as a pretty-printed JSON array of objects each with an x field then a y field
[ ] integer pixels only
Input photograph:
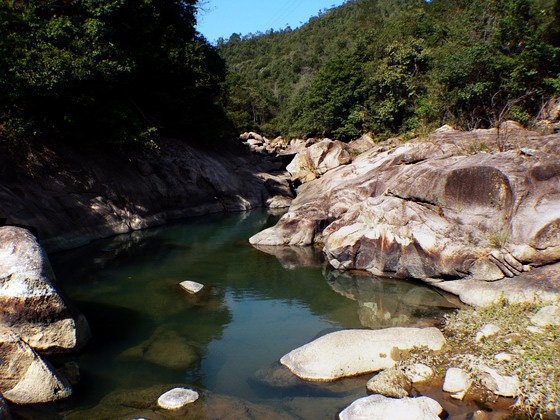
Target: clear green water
[{"x": 149, "y": 335}]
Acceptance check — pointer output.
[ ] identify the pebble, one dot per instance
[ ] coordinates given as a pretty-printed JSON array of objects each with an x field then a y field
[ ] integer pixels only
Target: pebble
[{"x": 177, "y": 398}]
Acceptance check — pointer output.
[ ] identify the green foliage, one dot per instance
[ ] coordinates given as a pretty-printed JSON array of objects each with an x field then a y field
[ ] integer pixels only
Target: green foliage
[
  {"x": 390, "y": 66},
  {"x": 118, "y": 71}
]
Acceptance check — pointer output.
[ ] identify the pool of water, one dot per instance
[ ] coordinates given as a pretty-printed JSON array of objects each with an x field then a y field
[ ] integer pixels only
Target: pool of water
[{"x": 149, "y": 335}]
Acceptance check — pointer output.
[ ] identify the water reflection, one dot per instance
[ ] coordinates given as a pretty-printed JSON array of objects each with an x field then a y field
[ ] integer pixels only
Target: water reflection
[{"x": 386, "y": 302}]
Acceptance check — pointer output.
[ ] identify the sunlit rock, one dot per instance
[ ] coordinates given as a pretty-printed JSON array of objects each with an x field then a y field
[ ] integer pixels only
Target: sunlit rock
[
  {"x": 352, "y": 352},
  {"x": 378, "y": 407},
  {"x": 177, "y": 398}
]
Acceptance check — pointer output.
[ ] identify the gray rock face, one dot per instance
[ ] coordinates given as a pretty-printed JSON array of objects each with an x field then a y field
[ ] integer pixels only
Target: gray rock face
[
  {"x": 549, "y": 315},
  {"x": 25, "y": 378},
  {"x": 317, "y": 159},
  {"x": 352, "y": 352},
  {"x": 378, "y": 407},
  {"x": 430, "y": 209},
  {"x": 390, "y": 383},
  {"x": 30, "y": 305},
  {"x": 72, "y": 198},
  {"x": 177, "y": 398}
]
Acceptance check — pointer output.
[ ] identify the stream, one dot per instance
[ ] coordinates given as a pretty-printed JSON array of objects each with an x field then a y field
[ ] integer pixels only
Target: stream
[{"x": 149, "y": 335}]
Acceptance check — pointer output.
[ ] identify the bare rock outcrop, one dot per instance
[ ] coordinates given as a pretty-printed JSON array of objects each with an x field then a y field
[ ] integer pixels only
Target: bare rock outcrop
[
  {"x": 30, "y": 305},
  {"x": 317, "y": 159},
  {"x": 481, "y": 205}
]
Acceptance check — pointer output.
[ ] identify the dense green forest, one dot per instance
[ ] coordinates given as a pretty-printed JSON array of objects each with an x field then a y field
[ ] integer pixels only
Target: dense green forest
[
  {"x": 126, "y": 71},
  {"x": 389, "y": 66},
  {"x": 107, "y": 71}
]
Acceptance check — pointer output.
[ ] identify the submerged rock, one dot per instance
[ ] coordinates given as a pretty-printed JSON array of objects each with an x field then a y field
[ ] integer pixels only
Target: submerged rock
[
  {"x": 177, "y": 398},
  {"x": 353, "y": 352},
  {"x": 378, "y": 407},
  {"x": 25, "y": 378},
  {"x": 30, "y": 306},
  {"x": 165, "y": 348}
]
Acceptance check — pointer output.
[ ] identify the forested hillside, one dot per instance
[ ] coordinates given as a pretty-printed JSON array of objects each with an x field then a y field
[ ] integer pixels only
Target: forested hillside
[
  {"x": 390, "y": 66},
  {"x": 106, "y": 72}
]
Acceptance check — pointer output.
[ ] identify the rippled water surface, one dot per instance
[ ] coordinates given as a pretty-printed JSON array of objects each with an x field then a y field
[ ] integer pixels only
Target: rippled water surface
[{"x": 149, "y": 335}]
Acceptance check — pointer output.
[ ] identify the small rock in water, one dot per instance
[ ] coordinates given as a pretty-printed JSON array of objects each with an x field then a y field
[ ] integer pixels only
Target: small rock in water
[
  {"x": 177, "y": 398},
  {"x": 418, "y": 372},
  {"x": 378, "y": 407},
  {"x": 191, "y": 286},
  {"x": 549, "y": 315},
  {"x": 502, "y": 385},
  {"x": 391, "y": 383},
  {"x": 486, "y": 331},
  {"x": 456, "y": 382}
]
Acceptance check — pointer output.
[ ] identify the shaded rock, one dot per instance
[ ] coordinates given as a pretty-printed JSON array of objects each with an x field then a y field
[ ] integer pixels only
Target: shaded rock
[
  {"x": 486, "y": 331},
  {"x": 177, "y": 398},
  {"x": 352, "y": 352},
  {"x": 165, "y": 348},
  {"x": 502, "y": 385},
  {"x": 191, "y": 287},
  {"x": 390, "y": 383},
  {"x": 378, "y": 407},
  {"x": 457, "y": 382},
  {"x": 29, "y": 303},
  {"x": 317, "y": 159},
  {"x": 549, "y": 315},
  {"x": 25, "y": 378},
  {"x": 418, "y": 372},
  {"x": 4, "y": 410}
]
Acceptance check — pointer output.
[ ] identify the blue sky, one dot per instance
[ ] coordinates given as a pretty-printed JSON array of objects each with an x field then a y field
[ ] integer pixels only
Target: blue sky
[{"x": 221, "y": 18}]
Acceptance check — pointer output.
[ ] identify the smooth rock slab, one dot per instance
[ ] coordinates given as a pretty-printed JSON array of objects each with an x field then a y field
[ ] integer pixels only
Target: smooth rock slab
[
  {"x": 549, "y": 315},
  {"x": 353, "y": 352},
  {"x": 177, "y": 398},
  {"x": 191, "y": 286},
  {"x": 378, "y": 407}
]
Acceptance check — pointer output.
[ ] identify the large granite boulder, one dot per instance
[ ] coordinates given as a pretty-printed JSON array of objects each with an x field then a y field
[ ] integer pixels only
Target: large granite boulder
[
  {"x": 25, "y": 378},
  {"x": 317, "y": 159},
  {"x": 481, "y": 205},
  {"x": 352, "y": 352},
  {"x": 30, "y": 304}
]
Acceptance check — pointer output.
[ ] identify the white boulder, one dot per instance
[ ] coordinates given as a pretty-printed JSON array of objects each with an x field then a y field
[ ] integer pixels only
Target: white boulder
[
  {"x": 191, "y": 287},
  {"x": 457, "y": 382},
  {"x": 378, "y": 407},
  {"x": 177, "y": 398},
  {"x": 352, "y": 352},
  {"x": 418, "y": 372},
  {"x": 486, "y": 331}
]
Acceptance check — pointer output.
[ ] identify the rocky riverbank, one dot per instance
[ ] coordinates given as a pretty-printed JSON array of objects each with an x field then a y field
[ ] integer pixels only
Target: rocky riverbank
[
  {"x": 70, "y": 197},
  {"x": 474, "y": 213}
]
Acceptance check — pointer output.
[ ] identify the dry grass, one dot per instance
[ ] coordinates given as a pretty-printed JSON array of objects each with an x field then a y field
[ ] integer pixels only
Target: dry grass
[{"x": 535, "y": 355}]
